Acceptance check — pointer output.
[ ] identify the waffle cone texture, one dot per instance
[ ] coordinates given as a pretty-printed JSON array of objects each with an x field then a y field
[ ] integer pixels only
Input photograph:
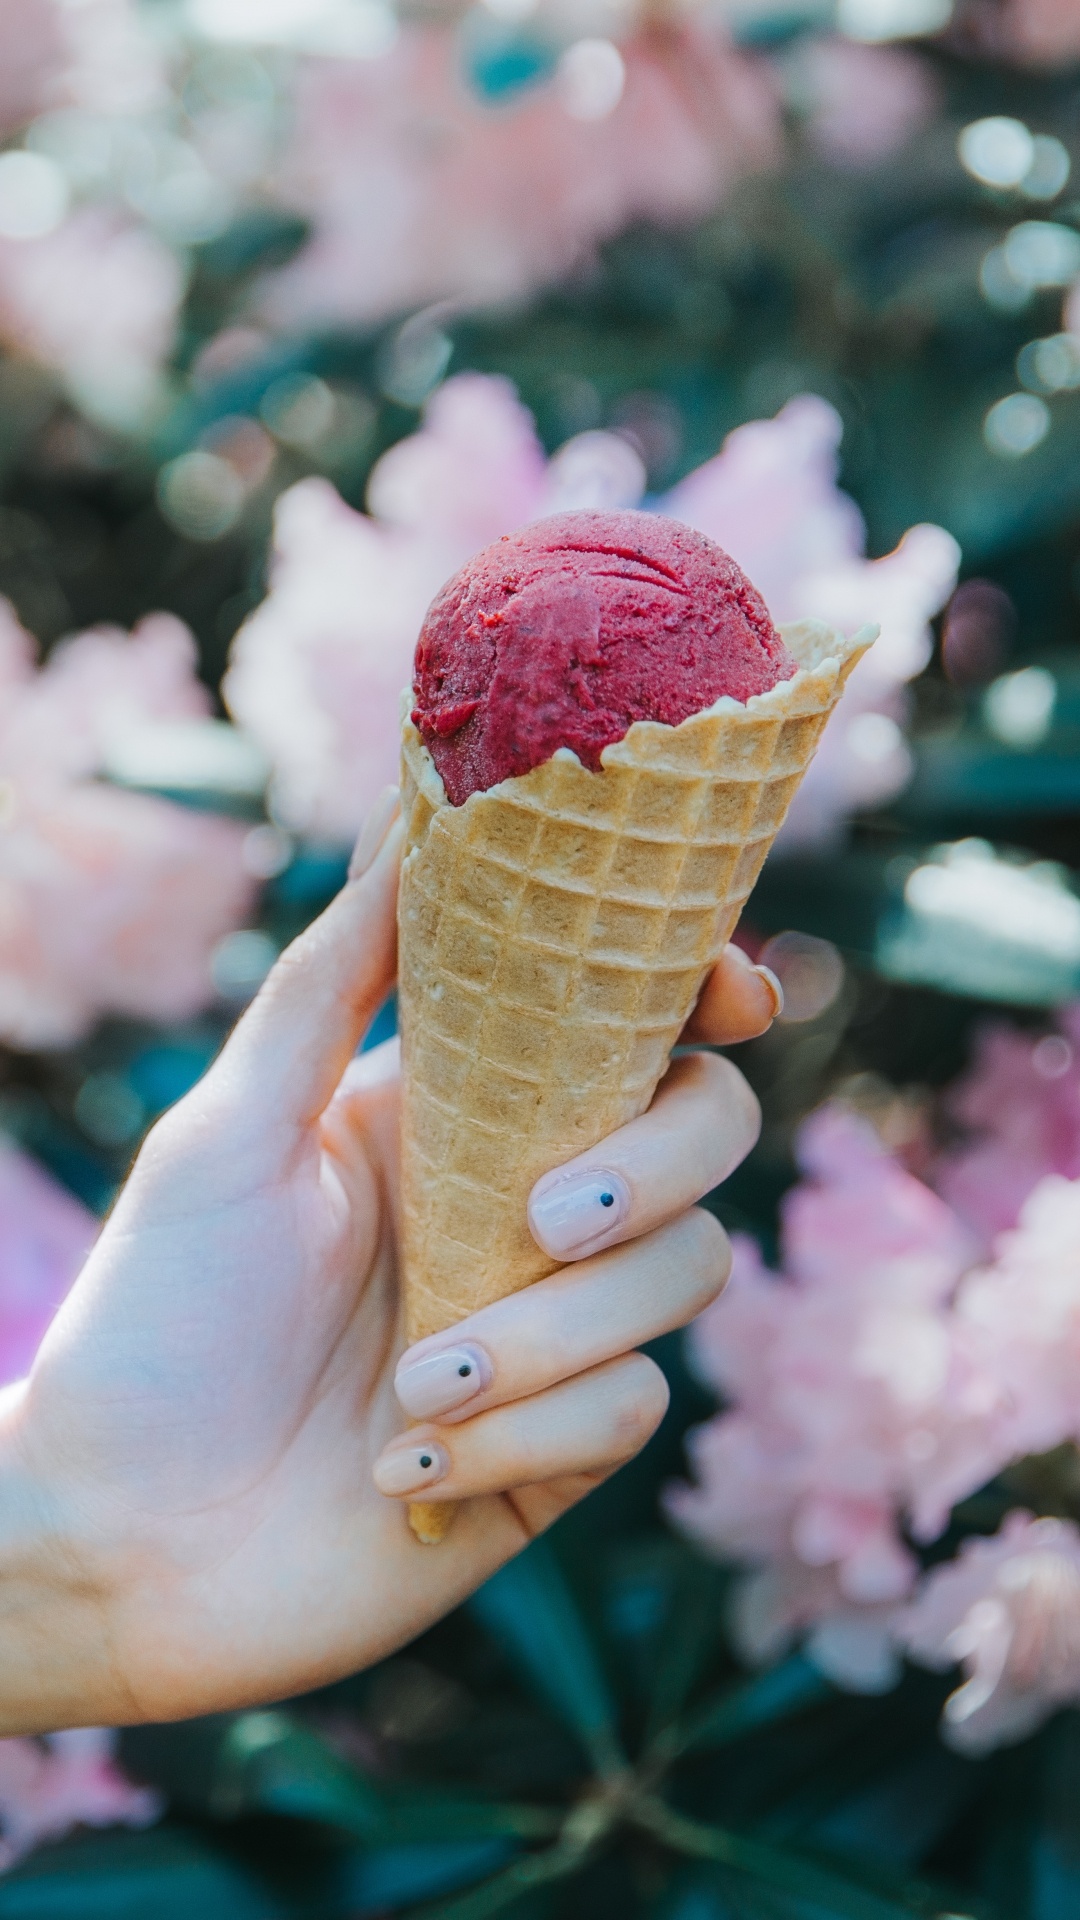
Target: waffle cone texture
[{"x": 554, "y": 935}]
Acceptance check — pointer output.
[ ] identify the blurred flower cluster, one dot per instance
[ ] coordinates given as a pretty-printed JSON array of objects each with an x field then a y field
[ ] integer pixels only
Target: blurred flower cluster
[
  {"x": 67, "y": 1779},
  {"x": 318, "y": 669},
  {"x": 110, "y": 901},
  {"x": 420, "y": 189},
  {"x": 908, "y": 1353},
  {"x": 459, "y": 161}
]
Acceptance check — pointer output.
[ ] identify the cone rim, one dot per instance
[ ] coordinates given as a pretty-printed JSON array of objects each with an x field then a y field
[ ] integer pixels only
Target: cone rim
[{"x": 824, "y": 655}]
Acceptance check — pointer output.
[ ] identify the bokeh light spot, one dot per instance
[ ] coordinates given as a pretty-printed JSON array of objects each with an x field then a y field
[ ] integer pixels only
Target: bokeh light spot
[
  {"x": 590, "y": 78},
  {"x": 1052, "y": 1056},
  {"x": 810, "y": 971},
  {"x": 875, "y": 20},
  {"x": 1016, "y": 425},
  {"x": 1049, "y": 170},
  {"x": 1051, "y": 365},
  {"x": 108, "y": 1110},
  {"x": 298, "y": 409},
  {"x": 998, "y": 151},
  {"x": 240, "y": 963},
  {"x": 1042, "y": 253},
  {"x": 200, "y": 495},
  {"x": 977, "y": 633},
  {"x": 33, "y": 196},
  {"x": 1018, "y": 708}
]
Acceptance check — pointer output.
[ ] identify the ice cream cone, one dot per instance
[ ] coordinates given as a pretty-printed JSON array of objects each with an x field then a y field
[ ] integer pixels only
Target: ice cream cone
[{"x": 554, "y": 934}]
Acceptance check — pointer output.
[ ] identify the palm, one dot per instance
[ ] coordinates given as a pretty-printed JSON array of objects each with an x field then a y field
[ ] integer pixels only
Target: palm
[{"x": 233, "y": 1394}]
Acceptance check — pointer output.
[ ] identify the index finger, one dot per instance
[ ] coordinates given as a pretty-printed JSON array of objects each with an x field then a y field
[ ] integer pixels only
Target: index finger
[{"x": 737, "y": 1002}]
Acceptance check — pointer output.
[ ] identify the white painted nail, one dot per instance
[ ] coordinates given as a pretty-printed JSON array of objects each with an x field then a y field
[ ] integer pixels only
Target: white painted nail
[
  {"x": 409, "y": 1468},
  {"x": 575, "y": 1213},
  {"x": 438, "y": 1382}
]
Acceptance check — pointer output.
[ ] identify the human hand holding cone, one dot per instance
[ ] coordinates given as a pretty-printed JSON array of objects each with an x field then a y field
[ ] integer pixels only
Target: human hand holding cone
[{"x": 555, "y": 931}]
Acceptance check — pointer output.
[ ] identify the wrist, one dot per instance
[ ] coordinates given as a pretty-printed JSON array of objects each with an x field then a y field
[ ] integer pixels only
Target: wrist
[{"x": 56, "y": 1647}]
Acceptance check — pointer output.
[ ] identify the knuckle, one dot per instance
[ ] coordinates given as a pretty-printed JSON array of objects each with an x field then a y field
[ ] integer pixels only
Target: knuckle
[
  {"x": 707, "y": 1257},
  {"x": 718, "y": 1082},
  {"x": 641, "y": 1406},
  {"x": 733, "y": 1088}
]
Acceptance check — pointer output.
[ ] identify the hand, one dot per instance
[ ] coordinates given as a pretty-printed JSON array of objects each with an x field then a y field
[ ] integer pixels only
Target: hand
[{"x": 194, "y": 1483}]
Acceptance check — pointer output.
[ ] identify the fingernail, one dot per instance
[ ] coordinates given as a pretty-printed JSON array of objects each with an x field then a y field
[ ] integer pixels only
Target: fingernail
[
  {"x": 576, "y": 1210},
  {"x": 767, "y": 975},
  {"x": 438, "y": 1382},
  {"x": 409, "y": 1468},
  {"x": 374, "y": 832}
]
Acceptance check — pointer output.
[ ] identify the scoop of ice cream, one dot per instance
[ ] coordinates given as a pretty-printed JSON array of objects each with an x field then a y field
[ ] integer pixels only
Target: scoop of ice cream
[{"x": 564, "y": 634}]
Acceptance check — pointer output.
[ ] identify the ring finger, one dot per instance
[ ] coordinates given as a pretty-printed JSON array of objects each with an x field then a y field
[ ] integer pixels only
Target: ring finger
[{"x": 590, "y": 1424}]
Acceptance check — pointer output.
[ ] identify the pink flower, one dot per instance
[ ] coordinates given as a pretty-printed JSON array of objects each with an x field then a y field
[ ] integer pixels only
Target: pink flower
[
  {"x": 770, "y": 498},
  {"x": 316, "y": 672},
  {"x": 45, "y": 1235},
  {"x": 31, "y": 48},
  {"x": 1023, "y": 1311},
  {"x": 853, "y": 1400},
  {"x": 853, "y": 1644},
  {"x": 420, "y": 191},
  {"x": 1008, "y": 1610},
  {"x": 856, "y": 1398},
  {"x": 862, "y": 103},
  {"x": 880, "y": 1380},
  {"x": 110, "y": 902},
  {"x": 96, "y": 301},
  {"x": 1019, "y": 1106},
  {"x": 65, "y": 1780}
]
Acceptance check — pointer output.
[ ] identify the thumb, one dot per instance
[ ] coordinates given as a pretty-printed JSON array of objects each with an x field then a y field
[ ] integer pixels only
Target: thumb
[{"x": 288, "y": 1052}]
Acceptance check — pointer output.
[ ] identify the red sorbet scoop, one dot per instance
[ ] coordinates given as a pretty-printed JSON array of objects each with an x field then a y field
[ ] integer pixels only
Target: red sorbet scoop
[{"x": 564, "y": 634}]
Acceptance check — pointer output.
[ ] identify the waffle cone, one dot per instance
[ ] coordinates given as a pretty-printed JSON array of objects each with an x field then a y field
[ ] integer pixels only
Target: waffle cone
[{"x": 554, "y": 935}]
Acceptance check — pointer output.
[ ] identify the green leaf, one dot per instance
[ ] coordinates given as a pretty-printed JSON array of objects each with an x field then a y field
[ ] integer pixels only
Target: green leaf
[
  {"x": 1054, "y": 1867},
  {"x": 396, "y": 1877},
  {"x": 785, "y": 1690},
  {"x": 786, "y": 1872},
  {"x": 690, "y": 1633},
  {"x": 268, "y": 1762},
  {"x": 528, "y": 1607},
  {"x": 519, "y": 1883},
  {"x": 422, "y": 1814},
  {"x": 167, "y": 1873}
]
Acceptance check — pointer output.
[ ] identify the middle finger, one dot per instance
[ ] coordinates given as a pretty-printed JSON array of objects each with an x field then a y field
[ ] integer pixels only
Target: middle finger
[
  {"x": 702, "y": 1123},
  {"x": 578, "y": 1319}
]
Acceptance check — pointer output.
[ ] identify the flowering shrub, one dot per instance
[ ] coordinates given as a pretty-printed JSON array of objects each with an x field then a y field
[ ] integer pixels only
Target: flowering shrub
[
  {"x": 1007, "y": 1609},
  {"x": 45, "y": 1235},
  {"x": 96, "y": 301},
  {"x": 110, "y": 902},
  {"x": 1018, "y": 1107},
  {"x": 317, "y": 670},
  {"x": 65, "y": 1780},
  {"x": 880, "y": 1380},
  {"x": 421, "y": 190}
]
